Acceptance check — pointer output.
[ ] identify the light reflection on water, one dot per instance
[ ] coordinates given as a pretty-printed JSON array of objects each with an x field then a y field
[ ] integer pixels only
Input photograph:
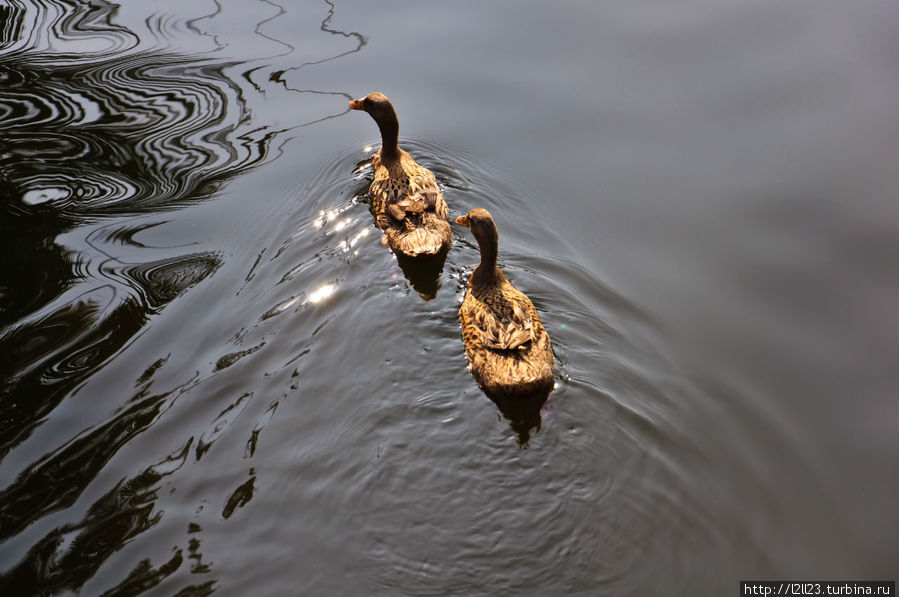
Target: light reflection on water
[{"x": 322, "y": 293}]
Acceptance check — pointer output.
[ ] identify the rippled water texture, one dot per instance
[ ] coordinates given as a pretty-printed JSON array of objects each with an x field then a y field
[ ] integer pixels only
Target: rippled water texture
[{"x": 215, "y": 379}]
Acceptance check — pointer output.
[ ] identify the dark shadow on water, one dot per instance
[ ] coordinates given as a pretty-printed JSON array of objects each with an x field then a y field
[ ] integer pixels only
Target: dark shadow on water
[
  {"x": 424, "y": 274},
  {"x": 523, "y": 413}
]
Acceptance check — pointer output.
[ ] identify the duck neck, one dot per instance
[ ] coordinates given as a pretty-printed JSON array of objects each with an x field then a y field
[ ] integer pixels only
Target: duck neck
[
  {"x": 486, "y": 272},
  {"x": 390, "y": 130}
]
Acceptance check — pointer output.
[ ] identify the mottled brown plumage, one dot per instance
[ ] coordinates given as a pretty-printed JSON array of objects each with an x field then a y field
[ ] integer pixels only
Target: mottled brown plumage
[
  {"x": 407, "y": 203},
  {"x": 508, "y": 349}
]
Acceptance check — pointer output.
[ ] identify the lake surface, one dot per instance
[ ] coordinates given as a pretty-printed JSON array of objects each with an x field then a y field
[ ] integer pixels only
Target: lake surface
[{"x": 215, "y": 379}]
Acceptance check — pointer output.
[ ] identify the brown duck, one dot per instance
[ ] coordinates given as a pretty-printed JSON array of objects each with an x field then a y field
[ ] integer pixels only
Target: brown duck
[
  {"x": 405, "y": 198},
  {"x": 508, "y": 349}
]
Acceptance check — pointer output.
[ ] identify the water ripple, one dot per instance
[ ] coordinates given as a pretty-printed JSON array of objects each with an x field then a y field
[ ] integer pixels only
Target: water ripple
[
  {"x": 70, "y": 555},
  {"x": 105, "y": 125},
  {"x": 117, "y": 127}
]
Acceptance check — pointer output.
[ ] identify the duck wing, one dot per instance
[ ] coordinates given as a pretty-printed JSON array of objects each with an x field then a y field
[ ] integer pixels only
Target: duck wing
[
  {"x": 423, "y": 193},
  {"x": 510, "y": 327}
]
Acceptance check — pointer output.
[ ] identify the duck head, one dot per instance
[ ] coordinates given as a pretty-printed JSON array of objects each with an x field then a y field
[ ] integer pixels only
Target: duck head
[
  {"x": 381, "y": 110},
  {"x": 480, "y": 223},
  {"x": 374, "y": 103}
]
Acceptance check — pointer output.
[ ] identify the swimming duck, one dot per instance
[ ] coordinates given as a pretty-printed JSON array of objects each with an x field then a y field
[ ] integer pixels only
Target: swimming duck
[
  {"x": 508, "y": 349},
  {"x": 405, "y": 198}
]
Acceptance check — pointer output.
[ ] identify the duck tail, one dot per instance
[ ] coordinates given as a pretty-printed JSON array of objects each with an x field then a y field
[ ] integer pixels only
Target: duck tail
[{"x": 427, "y": 238}]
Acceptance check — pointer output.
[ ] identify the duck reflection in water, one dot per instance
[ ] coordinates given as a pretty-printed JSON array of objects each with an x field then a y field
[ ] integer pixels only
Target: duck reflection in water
[
  {"x": 423, "y": 276},
  {"x": 522, "y": 412}
]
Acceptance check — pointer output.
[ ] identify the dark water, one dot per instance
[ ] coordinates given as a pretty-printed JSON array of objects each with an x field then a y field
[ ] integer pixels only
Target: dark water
[{"x": 216, "y": 380}]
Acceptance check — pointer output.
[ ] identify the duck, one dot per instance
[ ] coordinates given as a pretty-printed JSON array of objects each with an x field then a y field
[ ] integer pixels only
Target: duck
[
  {"x": 407, "y": 203},
  {"x": 508, "y": 349}
]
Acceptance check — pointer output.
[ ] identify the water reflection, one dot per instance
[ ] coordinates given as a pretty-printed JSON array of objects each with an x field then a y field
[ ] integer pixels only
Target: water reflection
[
  {"x": 10, "y": 25},
  {"x": 523, "y": 413},
  {"x": 37, "y": 270},
  {"x": 322, "y": 292},
  {"x": 105, "y": 132},
  {"x": 51, "y": 353},
  {"x": 423, "y": 275},
  {"x": 122, "y": 134},
  {"x": 241, "y": 496},
  {"x": 93, "y": 125},
  {"x": 359, "y": 43},
  {"x": 97, "y": 126},
  {"x": 70, "y": 555},
  {"x": 221, "y": 424}
]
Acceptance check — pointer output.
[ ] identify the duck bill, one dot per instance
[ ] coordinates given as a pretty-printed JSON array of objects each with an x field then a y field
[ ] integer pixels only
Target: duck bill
[
  {"x": 356, "y": 104},
  {"x": 462, "y": 221}
]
